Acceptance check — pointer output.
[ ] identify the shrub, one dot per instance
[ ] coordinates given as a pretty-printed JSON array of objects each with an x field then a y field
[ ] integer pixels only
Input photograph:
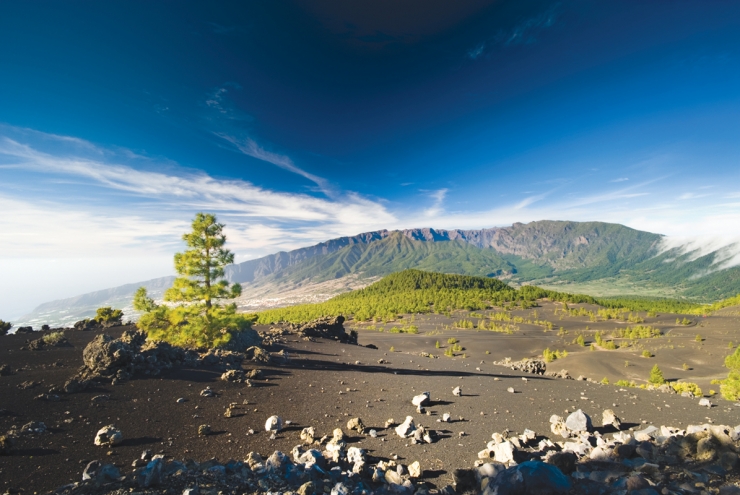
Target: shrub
[
  {"x": 549, "y": 356},
  {"x": 646, "y": 354},
  {"x": 685, "y": 367},
  {"x": 698, "y": 338},
  {"x": 4, "y": 327},
  {"x": 108, "y": 315},
  {"x": 604, "y": 381},
  {"x": 626, "y": 364},
  {"x": 730, "y": 386},
  {"x": 656, "y": 376},
  {"x": 437, "y": 345},
  {"x": 681, "y": 387},
  {"x": 581, "y": 341},
  {"x": 449, "y": 352},
  {"x": 625, "y": 383},
  {"x": 53, "y": 338},
  {"x": 488, "y": 352},
  {"x": 452, "y": 340},
  {"x": 392, "y": 349}
]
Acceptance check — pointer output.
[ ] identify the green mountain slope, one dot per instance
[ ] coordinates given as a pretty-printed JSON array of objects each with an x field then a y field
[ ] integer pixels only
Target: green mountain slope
[{"x": 395, "y": 253}]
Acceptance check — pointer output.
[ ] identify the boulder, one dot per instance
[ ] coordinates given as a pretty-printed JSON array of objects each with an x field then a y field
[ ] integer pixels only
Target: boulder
[
  {"x": 457, "y": 391},
  {"x": 406, "y": 428},
  {"x": 421, "y": 399},
  {"x": 579, "y": 421},
  {"x": 257, "y": 354},
  {"x": 328, "y": 327},
  {"x": 609, "y": 418},
  {"x": 415, "y": 470},
  {"x": 530, "y": 477},
  {"x": 274, "y": 424},
  {"x": 108, "y": 436},
  {"x": 503, "y": 452},
  {"x": 234, "y": 376},
  {"x": 564, "y": 461},
  {"x": 355, "y": 424}
]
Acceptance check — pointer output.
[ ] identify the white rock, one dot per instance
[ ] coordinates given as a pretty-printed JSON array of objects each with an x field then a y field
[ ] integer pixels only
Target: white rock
[
  {"x": 108, "y": 436},
  {"x": 421, "y": 400},
  {"x": 577, "y": 448},
  {"x": 622, "y": 437},
  {"x": 393, "y": 478},
  {"x": 406, "y": 428},
  {"x": 705, "y": 402},
  {"x": 510, "y": 390},
  {"x": 578, "y": 421},
  {"x": 415, "y": 470},
  {"x": 274, "y": 423},
  {"x": 503, "y": 452},
  {"x": 446, "y": 417},
  {"x": 355, "y": 455},
  {"x": 457, "y": 391},
  {"x": 599, "y": 454},
  {"x": 646, "y": 434}
]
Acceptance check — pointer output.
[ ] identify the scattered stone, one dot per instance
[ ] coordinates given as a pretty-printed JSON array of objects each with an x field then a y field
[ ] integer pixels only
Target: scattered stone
[
  {"x": 204, "y": 430},
  {"x": 207, "y": 392},
  {"x": 608, "y": 417},
  {"x": 308, "y": 435},
  {"x": 233, "y": 376},
  {"x": 100, "y": 398},
  {"x": 108, "y": 436},
  {"x": 5, "y": 370},
  {"x": 705, "y": 402},
  {"x": 578, "y": 422},
  {"x": 421, "y": 399},
  {"x": 415, "y": 470},
  {"x": 257, "y": 354},
  {"x": 534, "y": 366},
  {"x": 457, "y": 391},
  {"x": 511, "y": 390},
  {"x": 355, "y": 424},
  {"x": 406, "y": 428},
  {"x": 274, "y": 424},
  {"x": 33, "y": 428}
]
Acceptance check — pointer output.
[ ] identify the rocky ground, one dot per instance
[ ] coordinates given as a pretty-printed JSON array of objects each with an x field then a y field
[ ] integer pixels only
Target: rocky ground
[{"x": 211, "y": 432}]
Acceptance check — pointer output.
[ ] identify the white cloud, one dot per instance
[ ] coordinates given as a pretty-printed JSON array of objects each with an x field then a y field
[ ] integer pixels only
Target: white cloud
[
  {"x": 133, "y": 223},
  {"x": 436, "y": 209},
  {"x": 621, "y": 179}
]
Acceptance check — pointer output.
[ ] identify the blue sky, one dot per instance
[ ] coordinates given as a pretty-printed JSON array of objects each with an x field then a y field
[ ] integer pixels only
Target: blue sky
[{"x": 296, "y": 122}]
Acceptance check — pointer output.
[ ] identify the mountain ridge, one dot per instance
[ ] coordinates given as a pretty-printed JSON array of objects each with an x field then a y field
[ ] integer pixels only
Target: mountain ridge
[{"x": 560, "y": 254}]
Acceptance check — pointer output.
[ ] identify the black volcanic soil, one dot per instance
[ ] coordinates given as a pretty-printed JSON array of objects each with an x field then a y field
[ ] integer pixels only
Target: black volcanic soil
[{"x": 321, "y": 384}]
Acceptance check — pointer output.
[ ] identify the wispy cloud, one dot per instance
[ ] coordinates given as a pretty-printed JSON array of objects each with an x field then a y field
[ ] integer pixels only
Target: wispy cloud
[
  {"x": 621, "y": 179},
  {"x": 152, "y": 199},
  {"x": 249, "y": 147},
  {"x": 690, "y": 195},
  {"x": 523, "y": 32},
  {"x": 438, "y": 196},
  {"x": 228, "y": 123}
]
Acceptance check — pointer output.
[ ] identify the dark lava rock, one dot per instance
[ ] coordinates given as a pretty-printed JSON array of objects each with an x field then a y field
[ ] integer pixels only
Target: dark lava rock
[
  {"x": 564, "y": 461},
  {"x": 329, "y": 328},
  {"x": 532, "y": 477},
  {"x": 465, "y": 481},
  {"x": 24, "y": 330}
]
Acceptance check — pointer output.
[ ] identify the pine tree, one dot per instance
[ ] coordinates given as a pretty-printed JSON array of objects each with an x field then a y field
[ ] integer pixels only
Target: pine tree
[
  {"x": 201, "y": 266},
  {"x": 202, "y": 321},
  {"x": 656, "y": 376}
]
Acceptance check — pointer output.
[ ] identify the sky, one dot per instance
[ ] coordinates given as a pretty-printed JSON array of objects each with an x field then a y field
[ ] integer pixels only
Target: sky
[{"x": 298, "y": 122}]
